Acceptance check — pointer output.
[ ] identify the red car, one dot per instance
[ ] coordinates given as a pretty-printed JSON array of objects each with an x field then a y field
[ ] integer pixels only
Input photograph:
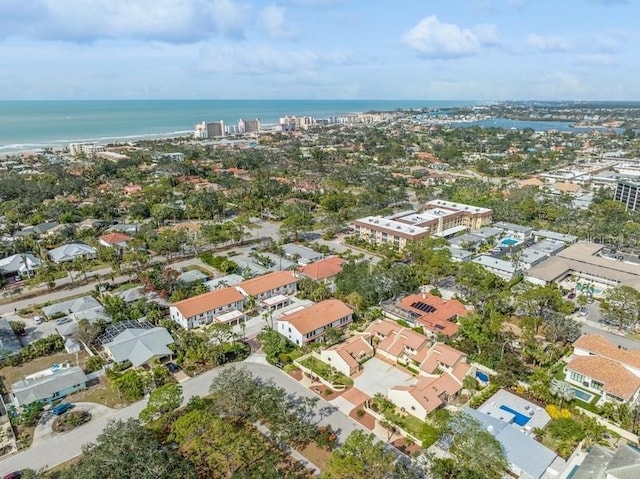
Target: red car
[
  {"x": 13, "y": 475},
  {"x": 571, "y": 295}
]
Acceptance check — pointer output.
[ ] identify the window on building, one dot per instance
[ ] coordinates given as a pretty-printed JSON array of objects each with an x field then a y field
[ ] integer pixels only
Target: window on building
[{"x": 576, "y": 377}]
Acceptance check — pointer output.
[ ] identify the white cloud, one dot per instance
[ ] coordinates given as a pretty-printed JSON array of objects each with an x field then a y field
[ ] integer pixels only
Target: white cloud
[
  {"x": 264, "y": 60},
  {"x": 273, "y": 20},
  {"x": 163, "y": 20},
  {"x": 432, "y": 38},
  {"x": 596, "y": 59},
  {"x": 548, "y": 44}
]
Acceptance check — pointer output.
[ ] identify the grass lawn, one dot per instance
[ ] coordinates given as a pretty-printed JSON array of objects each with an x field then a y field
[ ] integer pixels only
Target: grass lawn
[
  {"x": 316, "y": 455},
  {"x": 424, "y": 431},
  {"x": 11, "y": 374},
  {"x": 209, "y": 271},
  {"x": 100, "y": 393},
  {"x": 324, "y": 371},
  {"x": 124, "y": 287}
]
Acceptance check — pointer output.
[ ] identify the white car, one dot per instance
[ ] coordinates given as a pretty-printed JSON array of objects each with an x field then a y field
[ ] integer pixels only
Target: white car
[
  {"x": 38, "y": 320},
  {"x": 583, "y": 311}
]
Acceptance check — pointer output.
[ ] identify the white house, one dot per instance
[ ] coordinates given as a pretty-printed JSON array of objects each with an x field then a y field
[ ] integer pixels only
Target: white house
[
  {"x": 270, "y": 290},
  {"x": 71, "y": 251},
  {"x": 223, "y": 305},
  {"x": 114, "y": 240},
  {"x": 346, "y": 357},
  {"x": 309, "y": 324},
  {"x": 603, "y": 368}
]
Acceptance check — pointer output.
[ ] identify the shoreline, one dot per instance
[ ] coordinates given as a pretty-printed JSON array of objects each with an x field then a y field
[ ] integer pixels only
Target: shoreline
[{"x": 18, "y": 148}]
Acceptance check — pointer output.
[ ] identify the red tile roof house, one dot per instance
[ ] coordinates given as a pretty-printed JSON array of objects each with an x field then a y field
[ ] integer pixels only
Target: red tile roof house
[
  {"x": 223, "y": 305},
  {"x": 271, "y": 290},
  {"x": 324, "y": 270},
  {"x": 604, "y": 369},
  {"x": 434, "y": 314},
  {"x": 347, "y": 357},
  {"x": 118, "y": 240},
  {"x": 440, "y": 367},
  {"x": 309, "y": 324}
]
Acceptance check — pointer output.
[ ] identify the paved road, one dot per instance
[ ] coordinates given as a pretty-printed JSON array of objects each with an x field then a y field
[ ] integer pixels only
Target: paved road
[
  {"x": 56, "y": 450},
  {"x": 61, "y": 294},
  {"x": 594, "y": 328}
]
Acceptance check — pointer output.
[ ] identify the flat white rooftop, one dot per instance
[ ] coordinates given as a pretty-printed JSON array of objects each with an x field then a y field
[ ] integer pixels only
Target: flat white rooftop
[
  {"x": 230, "y": 316},
  {"x": 381, "y": 222},
  {"x": 281, "y": 298}
]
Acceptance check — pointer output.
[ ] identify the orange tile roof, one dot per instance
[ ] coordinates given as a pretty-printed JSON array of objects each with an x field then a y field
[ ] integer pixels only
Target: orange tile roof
[
  {"x": 616, "y": 378},
  {"x": 322, "y": 269},
  {"x": 427, "y": 391},
  {"x": 352, "y": 349},
  {"x": 596, "y": 344},
  {"x": 208, "y": 301},
  {"x": 262, "y": 284},
  {"x": 438, "y": 321},
  {"x": 438, "y": 354},
  {"x": 113, "y": 238},
  {"x": 317, "y": 315},
  {"x": 397, "y": 338}
]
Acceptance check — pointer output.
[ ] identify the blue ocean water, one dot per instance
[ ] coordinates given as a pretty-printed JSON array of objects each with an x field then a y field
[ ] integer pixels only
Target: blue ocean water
[{"x": 32, "y": 124}]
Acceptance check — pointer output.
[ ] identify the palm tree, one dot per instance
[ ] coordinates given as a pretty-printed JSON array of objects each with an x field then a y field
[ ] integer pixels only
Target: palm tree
[{"x": 562, "y": 390}]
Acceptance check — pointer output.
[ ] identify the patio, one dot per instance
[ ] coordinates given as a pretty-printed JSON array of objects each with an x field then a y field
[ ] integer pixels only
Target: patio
[{"x": 378, "y": 377}]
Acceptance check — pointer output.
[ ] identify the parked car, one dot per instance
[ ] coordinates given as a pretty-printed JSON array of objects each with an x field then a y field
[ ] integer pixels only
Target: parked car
[
  {"x": 38, "y": 320},
  {"x": 172, "y": 367},
  {"x": 571, "y": 295},
  {"x": 583, "y": 311},
  {"x": 61, "y": 408},
  {"x": 13, "y": 475},
  {"x": 64, "y": 320}
]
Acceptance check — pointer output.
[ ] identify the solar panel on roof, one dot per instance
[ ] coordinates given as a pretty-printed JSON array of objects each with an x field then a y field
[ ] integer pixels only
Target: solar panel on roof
[{"x": 424, "y": 307}]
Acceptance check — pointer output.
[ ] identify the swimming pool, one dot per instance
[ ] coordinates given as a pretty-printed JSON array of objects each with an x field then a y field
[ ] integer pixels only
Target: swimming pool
[
  {"x": 509, "y": 241},
  {"x": 520, "y": 419},
  {"x": 582, "y": 395},
  {"x": 587, "y": 289}
]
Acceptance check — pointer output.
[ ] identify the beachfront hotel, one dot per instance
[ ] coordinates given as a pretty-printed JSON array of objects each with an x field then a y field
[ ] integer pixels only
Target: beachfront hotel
[{"x": 438, "y": 218}]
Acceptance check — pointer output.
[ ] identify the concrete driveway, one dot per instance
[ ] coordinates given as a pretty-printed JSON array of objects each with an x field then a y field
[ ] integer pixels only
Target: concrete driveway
[
  {"x": 44, "y": 429},
  {"x": 378, "y": 377}
]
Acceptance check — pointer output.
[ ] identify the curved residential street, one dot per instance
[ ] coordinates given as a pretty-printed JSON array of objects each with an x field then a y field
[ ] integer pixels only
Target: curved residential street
[{"x": 49, "y": 452}]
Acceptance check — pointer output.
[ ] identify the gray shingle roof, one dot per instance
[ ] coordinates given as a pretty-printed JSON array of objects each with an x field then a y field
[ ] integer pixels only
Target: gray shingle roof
[
  {"x": 140, "y": 345},
  {"x": 78, "y": 305},
  {"x": 29, "y": 390},
  {"x": 521, "y": 450},
  {"x": 70, "y": 251},
  {"x": 192, "y": 276},
  {"x": 19, "y": 263}
]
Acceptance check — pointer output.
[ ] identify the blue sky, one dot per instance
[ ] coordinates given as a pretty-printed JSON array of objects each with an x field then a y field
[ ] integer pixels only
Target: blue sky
[{"x": 227, "y": 49}]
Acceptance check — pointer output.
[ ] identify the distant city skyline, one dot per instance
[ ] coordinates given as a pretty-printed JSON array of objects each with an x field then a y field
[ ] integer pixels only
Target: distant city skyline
[{"x": 313, "y": 49}]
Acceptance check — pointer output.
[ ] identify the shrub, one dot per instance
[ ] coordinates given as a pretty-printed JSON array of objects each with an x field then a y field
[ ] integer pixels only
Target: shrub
[
  {"x": 556, "y": 413},
  {"x": 94, "y": 363},
  {"x": 360, "y": 413}
]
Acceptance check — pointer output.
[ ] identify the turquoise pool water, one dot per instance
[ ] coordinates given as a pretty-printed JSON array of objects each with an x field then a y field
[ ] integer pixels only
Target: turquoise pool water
[
  {"x": 509, "y": 241},
  {"x": 519, "y": 418},
  {"x": 582, "y": 395}
]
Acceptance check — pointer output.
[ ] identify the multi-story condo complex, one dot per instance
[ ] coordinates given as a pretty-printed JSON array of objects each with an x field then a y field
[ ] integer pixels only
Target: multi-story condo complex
[
  {"x": 206, "y": 129},
  {"x": 248, "y": 126},
  {"x": 88, "y": 149},
  {"x": 628, "y": 193},
  {"x": 438, "y": 217},
  {"x": 290, "y": 123}
]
